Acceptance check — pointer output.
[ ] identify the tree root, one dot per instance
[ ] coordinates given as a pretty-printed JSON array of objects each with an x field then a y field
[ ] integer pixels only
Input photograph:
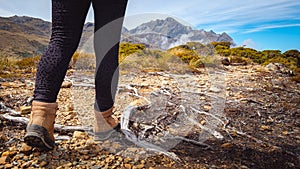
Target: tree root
[{"x": 13, "y": 116}]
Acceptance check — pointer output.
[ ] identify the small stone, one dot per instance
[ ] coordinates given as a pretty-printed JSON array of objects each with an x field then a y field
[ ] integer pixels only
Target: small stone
[
  {"x": 66, "y": 84},
  {"x": 108, "y": 160},
  {"x": 8, "y": 166},
  {"x": 26, "y": 165},
  {"x": 18, "y": 157},
  {"x": 70, "y": 116},
  {"x": 84, "y": 152},
  {"x": 80, "y": 135},
  {"x": 97, "y": 149},
  {"x": 140, "y": 166},
  {"x": 3, "y": 160},
  {"x": 5, "y": 84},
  {"x": 106, "y": 144},
  {"x": 86, "y": 157},
  {"x": 42, "y": 157},
  {"x": 116, "y": 146},
  {"x": 226, "y": 145},
  {"x": 244, "y": 167},
  {"x": 203, "y": 122},
  {"x": 214, "y": 90},
  {"x": 127, "y": 160},
  {"x": 206, "y": 107},
  {"x": 25, "y": 148},
  {"x": 164, "y": 82},
  {"x": 127, "y": 165},
  {"x": 25, "y": 110},
  {"x": 134, "y": 150},
  {"x": 264, "y": 127},
  {"x": 16, "y": 163},
  {"x": 234, "y": 133},
  {"x": 285, "y": 133},
  {"x": 202, "y": 98},
  {"x": 13, "y": 150},
  {"x": 70, "y": 108},
  {"x": 69, "y": 164},
  {"x": 89, "y": 142},
  {"x": 36, "y": 154},
  {"x": 29, "y": 83},
  {"x": 6, "y": 153},
  {"x": 43, "y": 164}
]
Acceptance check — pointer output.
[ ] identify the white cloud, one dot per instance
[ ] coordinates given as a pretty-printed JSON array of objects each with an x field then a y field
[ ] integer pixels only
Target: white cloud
[
  {"x": 249, "y": 43},
  {"x": 4, "y": 12},
  {"x": 257, "y": 29},
  {"x": 220, "y": 15}
]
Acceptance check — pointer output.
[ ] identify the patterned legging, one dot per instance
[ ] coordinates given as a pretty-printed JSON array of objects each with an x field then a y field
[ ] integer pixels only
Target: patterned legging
[{"x": 68, "y": 17}]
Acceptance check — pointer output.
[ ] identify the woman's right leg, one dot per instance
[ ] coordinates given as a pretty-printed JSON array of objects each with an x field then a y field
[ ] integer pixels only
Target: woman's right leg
[{"x": 68, "y": 17}]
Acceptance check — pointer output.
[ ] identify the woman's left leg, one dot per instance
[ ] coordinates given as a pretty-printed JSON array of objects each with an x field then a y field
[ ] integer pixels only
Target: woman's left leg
[{"x": 109, "y": 15}]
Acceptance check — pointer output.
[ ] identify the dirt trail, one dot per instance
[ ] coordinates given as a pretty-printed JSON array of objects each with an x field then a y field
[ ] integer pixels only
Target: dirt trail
[{"x": 259, "y": 109}]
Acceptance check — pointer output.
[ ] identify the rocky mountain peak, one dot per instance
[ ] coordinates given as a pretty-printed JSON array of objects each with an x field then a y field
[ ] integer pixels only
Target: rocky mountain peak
[
  {"x": 166, "y": 33},
  {"x": 168, "y": 27}
]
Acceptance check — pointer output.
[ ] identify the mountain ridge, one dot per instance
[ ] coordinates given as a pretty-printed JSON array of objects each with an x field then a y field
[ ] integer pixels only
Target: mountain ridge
[
  {"x": 27, "y": 36},
  {"x": 167, "y": 33}
]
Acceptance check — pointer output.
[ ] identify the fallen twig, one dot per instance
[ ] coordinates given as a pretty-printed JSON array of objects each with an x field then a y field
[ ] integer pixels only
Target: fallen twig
[
  {"x": 57, "y": 127},
  {"x": 9, "y": 111},
  {"x": 190, "y": 141},
  {"x": 249, "y": 136},
  {"x": 208, "y": 114},
  {"x": 13, "y": 116}
]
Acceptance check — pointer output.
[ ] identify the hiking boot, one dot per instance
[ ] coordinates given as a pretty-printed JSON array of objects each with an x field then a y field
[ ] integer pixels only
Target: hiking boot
[
  {"x": 106, "y": 125},
  {"x": 40, "y": 128}
]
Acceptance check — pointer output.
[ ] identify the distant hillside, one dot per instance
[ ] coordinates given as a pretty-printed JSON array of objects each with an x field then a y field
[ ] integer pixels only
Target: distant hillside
[
  {"x": 27, "y": 36},
  {"x": 23, "y": 36}
]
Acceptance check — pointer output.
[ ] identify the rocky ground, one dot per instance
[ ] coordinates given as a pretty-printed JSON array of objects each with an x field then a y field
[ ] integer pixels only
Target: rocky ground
[{"x": 256, "y": 112}]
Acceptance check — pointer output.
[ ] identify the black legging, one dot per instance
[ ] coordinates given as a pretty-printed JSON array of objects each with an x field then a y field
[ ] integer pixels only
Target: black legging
[{"x": 68, "y": 17}]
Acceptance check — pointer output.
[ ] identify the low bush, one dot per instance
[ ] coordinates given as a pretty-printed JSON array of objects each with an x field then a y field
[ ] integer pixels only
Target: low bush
[{"x": 28, "y": 62}]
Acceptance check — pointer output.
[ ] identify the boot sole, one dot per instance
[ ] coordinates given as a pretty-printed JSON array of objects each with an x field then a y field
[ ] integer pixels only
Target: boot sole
[
  {"x": 37, "y": 136},
  {"x": 102, "y": 136}
]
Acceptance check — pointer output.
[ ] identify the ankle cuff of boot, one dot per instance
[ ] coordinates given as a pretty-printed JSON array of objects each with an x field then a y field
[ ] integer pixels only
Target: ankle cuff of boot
[
  {"x": 106, "y": 113},
  {"x": 43, "y": 106}
]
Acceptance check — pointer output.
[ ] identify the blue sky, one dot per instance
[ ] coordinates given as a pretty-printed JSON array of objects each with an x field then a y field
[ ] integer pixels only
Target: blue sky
[{"x": 259, "y": 24}]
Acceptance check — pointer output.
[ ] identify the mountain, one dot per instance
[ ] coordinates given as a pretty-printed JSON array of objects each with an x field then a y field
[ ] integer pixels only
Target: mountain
[
  {"x": 23, "y": 36},
  {"x": 27, "y": 36},
  {"x": 167, "y": 33}
]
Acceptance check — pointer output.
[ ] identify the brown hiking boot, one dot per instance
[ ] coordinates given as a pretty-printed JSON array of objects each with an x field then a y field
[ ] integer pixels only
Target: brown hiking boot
[
  {"x": 40, "y": 128},
  {"x": 105, "y": 125}
]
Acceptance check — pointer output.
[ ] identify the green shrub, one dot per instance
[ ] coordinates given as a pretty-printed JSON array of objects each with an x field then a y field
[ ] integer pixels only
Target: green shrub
[
  {"x": 289, "y": 62},
  {"x": 221, "y": 45},
  {"x": 83, "y": 61},
  {"x": 185, "y": 53},
  {"x": 4, "y": 63},
  {"x": 28, "y": 62},
  {"x": 127, "y": 49}
]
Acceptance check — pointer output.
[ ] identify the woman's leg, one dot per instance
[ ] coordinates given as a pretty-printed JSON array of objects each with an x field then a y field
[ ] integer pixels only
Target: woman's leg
[
  {"x": 68, "y": 17},
  {"x": 109, "y": 15}
]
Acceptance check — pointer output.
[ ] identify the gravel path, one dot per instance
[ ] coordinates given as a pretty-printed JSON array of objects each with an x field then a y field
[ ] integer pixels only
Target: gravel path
[{"x": 260, "y": 108}]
